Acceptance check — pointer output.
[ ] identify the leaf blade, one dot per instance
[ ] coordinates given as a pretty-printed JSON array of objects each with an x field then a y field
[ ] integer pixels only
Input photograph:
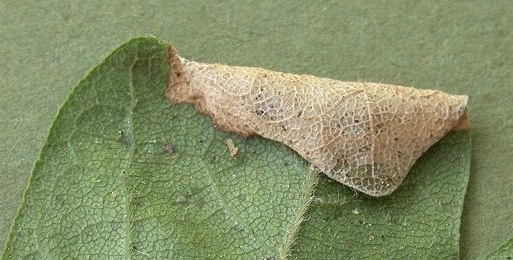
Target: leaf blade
[
  {"x": 125, "y": 175},
  {"x": 106, "y": 159},
  {"x": 420, "y": 220}
]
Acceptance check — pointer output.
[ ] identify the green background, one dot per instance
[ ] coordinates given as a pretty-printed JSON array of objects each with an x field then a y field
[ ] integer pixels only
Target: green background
[{"x": 460, "y": 47}]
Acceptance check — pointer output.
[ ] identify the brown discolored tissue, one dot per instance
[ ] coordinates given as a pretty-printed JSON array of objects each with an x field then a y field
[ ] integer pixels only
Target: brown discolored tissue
[{"x": 362, "y": 134}]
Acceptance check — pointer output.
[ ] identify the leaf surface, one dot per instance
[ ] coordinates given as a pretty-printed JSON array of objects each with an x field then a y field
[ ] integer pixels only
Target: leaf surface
[
  {"x": 503, "y": 251},
  {"x": 124, "y": 174},
  {"x": 420, "y": 220}
]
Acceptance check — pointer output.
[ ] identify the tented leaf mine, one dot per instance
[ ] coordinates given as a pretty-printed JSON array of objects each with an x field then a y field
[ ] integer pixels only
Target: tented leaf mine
[{"x": 364, "y": 135}]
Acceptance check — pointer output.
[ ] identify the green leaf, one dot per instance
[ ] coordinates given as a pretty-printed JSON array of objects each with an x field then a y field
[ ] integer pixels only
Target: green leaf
[
  {"x": 462, "y": 47},
  {"x": 503, "y": 251},
  {"x": 124, "y": 174},
  {"x": 419, "y": 221}
]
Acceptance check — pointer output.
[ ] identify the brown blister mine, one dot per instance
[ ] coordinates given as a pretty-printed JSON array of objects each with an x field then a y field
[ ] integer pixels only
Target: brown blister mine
[{"x": 364, "y": 135}]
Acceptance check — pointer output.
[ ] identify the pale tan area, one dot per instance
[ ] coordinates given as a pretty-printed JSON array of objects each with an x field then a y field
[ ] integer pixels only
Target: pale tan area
[
  {"x": 232, "y": 149},
  {"x": 364, "y": 135}
]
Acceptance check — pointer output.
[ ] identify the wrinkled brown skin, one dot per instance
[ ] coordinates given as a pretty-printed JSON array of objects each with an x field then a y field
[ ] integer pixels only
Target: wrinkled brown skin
[{"x": 364, "y": 135}]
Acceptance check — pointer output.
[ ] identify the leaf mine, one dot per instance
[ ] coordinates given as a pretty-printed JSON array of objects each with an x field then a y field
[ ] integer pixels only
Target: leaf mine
[{"x": 364, "y": 135}]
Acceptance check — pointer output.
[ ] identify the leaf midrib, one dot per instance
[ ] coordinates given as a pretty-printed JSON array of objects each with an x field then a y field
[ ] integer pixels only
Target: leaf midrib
[
  {"x": 289, "y": 239},
  {"x": 283, "y": 252},
  {"x": 127, "y": 224}
]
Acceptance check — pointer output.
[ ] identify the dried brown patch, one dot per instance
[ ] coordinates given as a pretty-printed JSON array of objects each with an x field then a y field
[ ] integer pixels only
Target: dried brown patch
[{"x": 365, "y": 135}]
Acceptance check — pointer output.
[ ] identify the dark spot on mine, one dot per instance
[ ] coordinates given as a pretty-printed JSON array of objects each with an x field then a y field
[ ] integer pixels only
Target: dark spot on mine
[
  {"x": 357, "y": 121},
  {"x": 378, "y": 128},
  {"x": 396, "y": 139},
  {"x": 178, "y": 74},
  {"x": 299, "y": 114},
  {"x": 259, "y": 112},
  {"x": 134, "y": 247},
  {"x": 283, "y": 128}
]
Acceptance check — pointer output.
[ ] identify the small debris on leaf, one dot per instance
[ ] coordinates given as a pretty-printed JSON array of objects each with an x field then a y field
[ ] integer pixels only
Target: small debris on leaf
[{"x": 232, "y": 150}]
